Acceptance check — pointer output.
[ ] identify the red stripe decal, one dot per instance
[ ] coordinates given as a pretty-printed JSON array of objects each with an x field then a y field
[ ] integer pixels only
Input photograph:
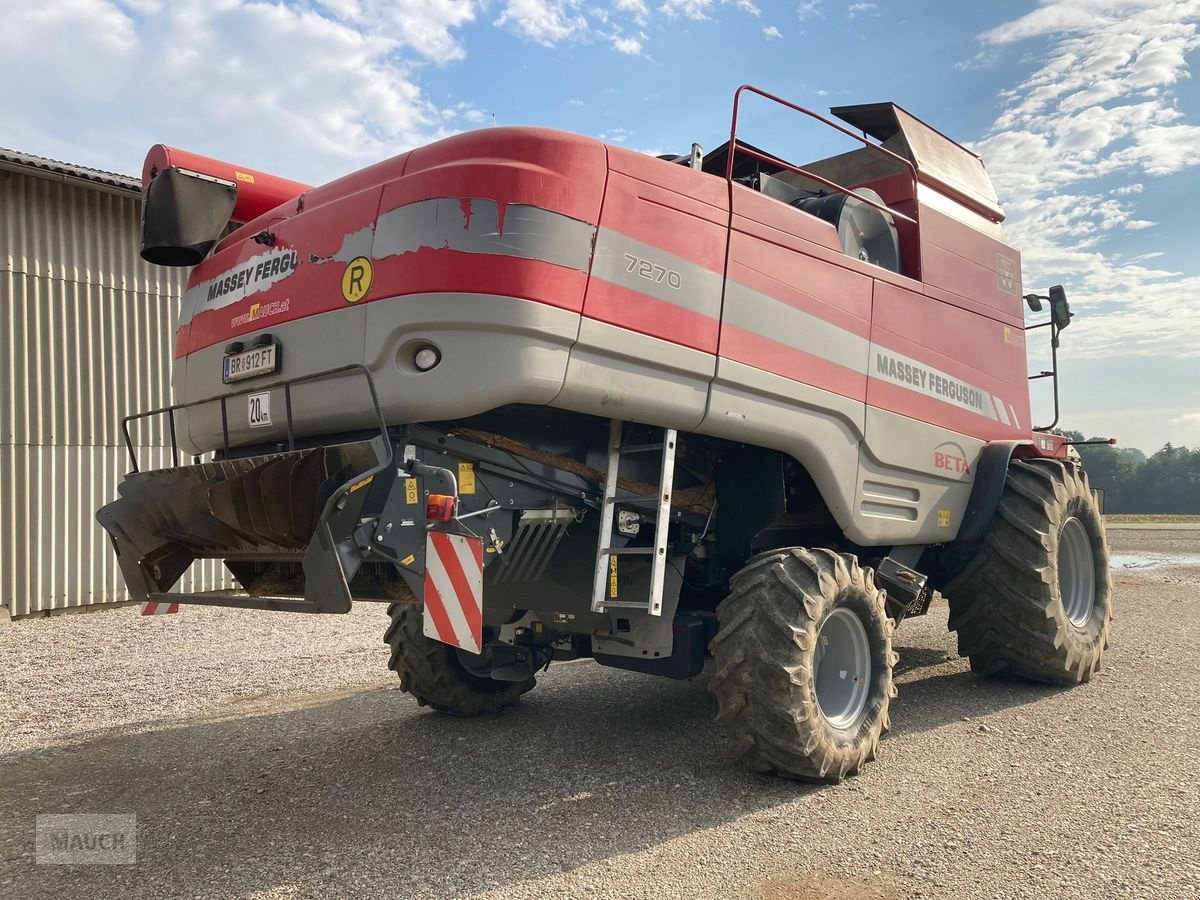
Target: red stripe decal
[
  {"x": 149, "y": 607},
  {"x": 462, "y": 588},
  {"x": 437, "y": 612}
]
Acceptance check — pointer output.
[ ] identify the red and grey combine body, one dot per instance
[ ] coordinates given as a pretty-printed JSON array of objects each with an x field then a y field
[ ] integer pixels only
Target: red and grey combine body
[
  {"x": 553, "y": 399},
  {"x": 513, "y": 290}
]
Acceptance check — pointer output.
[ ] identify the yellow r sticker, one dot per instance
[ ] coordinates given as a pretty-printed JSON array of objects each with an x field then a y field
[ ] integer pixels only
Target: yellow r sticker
[
  {"x": 943, "y": 518},
  {"x": 244, "y": 176},
  {"x": 361, "y": 484},
  {"x": 466, "y": 478},
  {"x": 408, "y": 560},
  {"x": 356, "y": 280},
  {"x": 410, "y": 491}
]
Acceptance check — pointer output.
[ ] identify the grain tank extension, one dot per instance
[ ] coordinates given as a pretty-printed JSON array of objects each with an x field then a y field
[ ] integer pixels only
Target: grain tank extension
[{"x": 547, "y": 398}]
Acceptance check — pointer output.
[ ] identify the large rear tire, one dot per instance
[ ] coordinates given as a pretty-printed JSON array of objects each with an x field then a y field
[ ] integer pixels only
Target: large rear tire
[
  {"x": 437, "y": 675},
  {"x": 803, "y": 675},
  {"x": 1035, "y": 600}
]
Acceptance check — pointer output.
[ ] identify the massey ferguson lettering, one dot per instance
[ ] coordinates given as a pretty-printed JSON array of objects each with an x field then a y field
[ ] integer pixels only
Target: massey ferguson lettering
[
  {"x": 265, "y": 269},
  {"x": 932, "y": 383}
]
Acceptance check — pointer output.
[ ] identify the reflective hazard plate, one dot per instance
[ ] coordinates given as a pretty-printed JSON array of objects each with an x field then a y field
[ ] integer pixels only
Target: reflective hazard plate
[{"x": 250, "y": 363}]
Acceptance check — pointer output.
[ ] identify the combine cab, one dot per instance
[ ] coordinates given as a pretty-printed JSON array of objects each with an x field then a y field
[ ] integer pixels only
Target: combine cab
[{"x": 550, "y": 399}]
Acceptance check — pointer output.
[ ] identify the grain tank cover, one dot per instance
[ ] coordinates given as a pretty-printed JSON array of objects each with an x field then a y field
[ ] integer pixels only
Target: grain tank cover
[{"x": 942, "y": 163}]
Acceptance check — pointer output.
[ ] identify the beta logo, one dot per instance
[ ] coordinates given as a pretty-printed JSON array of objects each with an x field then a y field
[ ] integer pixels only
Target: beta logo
[{"x": 951, "y": 457}]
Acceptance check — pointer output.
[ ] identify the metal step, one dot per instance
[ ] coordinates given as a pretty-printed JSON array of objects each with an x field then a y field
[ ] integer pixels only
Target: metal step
[{"x": 606, "y": 553}]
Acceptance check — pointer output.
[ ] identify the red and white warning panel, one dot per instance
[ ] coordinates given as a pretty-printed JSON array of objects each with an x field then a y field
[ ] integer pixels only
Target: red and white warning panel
[
  {"x": 454, "y": 590},
  {"x": 154, "y": 608}
]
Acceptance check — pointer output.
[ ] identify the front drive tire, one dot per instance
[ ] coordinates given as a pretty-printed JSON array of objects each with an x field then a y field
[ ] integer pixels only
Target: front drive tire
[
  {"x": 1035, "y": 600},
  {"x": 435, "y": 674},
  {"x": 803, "y": 674}
]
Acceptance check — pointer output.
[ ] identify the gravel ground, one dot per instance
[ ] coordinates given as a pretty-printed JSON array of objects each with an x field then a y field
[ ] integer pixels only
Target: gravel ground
[{"x": 266, "y": 756}]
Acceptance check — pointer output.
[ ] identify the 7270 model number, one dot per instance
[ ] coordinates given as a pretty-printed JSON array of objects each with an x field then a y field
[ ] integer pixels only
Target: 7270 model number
[{"x": 652, "y": 271}]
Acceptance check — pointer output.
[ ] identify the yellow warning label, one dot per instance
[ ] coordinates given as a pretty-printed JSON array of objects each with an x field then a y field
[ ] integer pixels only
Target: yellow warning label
[
  {"x": 362, "y": 484},
  {"x": 612, "y": 577},
  {"x": 408, "y": 560},
  {"x": 356, "y": 280},
  {"x": 943, "y": 518},
  {"x": 466, "y": 478},
  {"x": 244, "y": 176},
  {"x": 410, "y": 491}
]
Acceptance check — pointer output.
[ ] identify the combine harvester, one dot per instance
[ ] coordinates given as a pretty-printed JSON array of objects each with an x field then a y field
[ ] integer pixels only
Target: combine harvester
[{"x": 551, "y": 399}]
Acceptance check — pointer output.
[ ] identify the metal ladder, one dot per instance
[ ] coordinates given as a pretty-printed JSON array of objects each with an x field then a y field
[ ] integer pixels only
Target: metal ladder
[{"x": 604, "y": 585}]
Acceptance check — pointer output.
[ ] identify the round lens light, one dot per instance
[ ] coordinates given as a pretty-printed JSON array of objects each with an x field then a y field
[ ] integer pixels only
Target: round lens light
[{"x": 426, "y": 358}]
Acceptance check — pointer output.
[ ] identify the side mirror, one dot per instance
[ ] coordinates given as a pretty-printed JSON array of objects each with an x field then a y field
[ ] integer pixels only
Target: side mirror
[{"x": 1060, "y": 310}]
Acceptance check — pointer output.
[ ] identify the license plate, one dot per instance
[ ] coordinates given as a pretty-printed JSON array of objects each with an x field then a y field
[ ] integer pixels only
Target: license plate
[{"x": 251, "y": 363}]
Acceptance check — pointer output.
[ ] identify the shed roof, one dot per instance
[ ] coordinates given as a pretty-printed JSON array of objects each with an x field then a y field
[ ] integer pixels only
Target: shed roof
[{"x": 16, "y": 159}]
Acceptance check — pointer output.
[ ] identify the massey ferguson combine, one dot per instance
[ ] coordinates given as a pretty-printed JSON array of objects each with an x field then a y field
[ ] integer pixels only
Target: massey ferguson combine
[{"x": 549, "y": 398}]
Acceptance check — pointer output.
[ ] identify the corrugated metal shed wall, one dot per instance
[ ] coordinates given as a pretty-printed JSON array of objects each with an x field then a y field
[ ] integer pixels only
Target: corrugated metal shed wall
[{"x": 86, "y": 337}]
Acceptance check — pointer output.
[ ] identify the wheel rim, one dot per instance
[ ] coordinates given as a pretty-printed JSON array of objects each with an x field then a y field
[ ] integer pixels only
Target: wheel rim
[
  {"x": 1076, "y": 572},
  {"x": 842, "y": 669}
]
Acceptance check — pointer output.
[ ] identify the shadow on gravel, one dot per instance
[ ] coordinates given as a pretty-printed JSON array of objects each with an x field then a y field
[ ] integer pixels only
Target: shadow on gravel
[{"x": 366, "y": 793}]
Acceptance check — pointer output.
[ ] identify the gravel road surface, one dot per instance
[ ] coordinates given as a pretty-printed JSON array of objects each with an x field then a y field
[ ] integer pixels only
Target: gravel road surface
[{"x": 272, "y": 756}]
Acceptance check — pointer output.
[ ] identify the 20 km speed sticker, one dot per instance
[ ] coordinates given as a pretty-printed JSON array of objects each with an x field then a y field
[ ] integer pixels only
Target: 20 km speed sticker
[{"x": 258, "y": 406}]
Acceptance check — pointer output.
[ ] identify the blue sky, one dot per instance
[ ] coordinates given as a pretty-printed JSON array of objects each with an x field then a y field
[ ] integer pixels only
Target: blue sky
[{"x": 1085, "y": 112}]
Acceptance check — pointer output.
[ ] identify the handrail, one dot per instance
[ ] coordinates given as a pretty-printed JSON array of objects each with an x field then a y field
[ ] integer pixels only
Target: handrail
[
  {"x": 735, "y": 146},
  {"x": 286, "y": 384}
]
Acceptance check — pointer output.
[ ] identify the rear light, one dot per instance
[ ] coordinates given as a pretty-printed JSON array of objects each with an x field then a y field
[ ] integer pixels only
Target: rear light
[{"x": 439, "y": 508}]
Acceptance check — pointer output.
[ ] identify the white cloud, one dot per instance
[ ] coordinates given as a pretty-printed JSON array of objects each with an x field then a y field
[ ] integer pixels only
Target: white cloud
[
  {"x": 575, "y": 102},
  {"x": 616, "y": 135},
  {"x": 856, "y": 10},
  {"x": 544, "y": 22},
  {"x": 1099, "y": 104},
  {"x": 697, "y": 10},
  {"x": 627, "y": 45},
  {"x": 809, "y": 9},
  {"x": 218, "y": 77},
  {"x": 771, "y": 33}
]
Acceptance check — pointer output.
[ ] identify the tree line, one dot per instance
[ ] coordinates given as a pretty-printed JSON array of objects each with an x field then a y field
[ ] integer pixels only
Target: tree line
[{"x": 1167, "y": 482}]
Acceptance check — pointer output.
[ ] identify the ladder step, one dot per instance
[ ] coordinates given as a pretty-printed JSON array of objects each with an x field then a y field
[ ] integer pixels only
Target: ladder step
[
  {"x": 623, "y": 604},
  {"x": 646, "y": 499},
  {"x": 628, "y": 551},
  {"x": 641, "y": 448}
]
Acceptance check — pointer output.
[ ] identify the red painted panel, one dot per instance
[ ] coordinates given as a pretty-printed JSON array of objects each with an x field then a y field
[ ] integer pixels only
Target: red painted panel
[
  {"x": 979, "y": 343},
  {"x": 257, "y": 192},
  {"x": 314, "y": 287},
  {"x": 894, "y": 398},
  {"x": 611, "y": 303},
  {"x": 534, "y": 166},
  {"x": 761, "y": 352},
  {"x": 664, "y": 218},
  {"x": 829, "y": 292},
  {"x": 430, "y": 270},
  {"x": 966, "y": 262}
]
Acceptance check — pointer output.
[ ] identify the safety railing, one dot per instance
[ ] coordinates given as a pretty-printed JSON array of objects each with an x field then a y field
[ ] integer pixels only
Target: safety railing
[
  {"x": 223, "y": 400},
  {"x": 735, "y": 148}
]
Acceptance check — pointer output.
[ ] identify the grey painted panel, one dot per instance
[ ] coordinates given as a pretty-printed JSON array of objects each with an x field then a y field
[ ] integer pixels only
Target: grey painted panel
[
  {"x": 495, "y": 350},
  {"x": 822, "y": 430},
  {"x": 474, "y": 226},
  {"x": 750, "y": 310},
  {"x": 616, "y": 373},
  {"x": 618, "y": 259}
]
